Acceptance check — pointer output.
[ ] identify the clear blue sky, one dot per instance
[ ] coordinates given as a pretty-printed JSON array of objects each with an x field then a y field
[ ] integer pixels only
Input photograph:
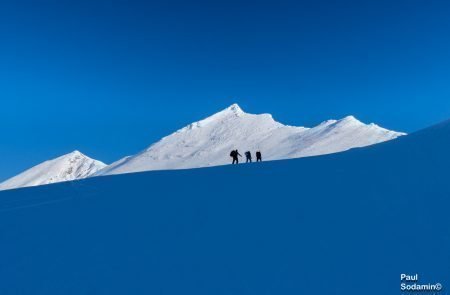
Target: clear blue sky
[{"x": 111, "y": 77}]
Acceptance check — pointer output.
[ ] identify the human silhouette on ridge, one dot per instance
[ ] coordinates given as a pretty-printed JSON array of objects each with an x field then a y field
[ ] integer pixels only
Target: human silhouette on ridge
[
  {"x": 248, "y": 157},
  {"x": 258, "y": 156},
  {"x": 234, "y": 154}
]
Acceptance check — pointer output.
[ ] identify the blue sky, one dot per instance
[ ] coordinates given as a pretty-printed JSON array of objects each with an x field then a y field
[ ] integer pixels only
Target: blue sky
[{"x": 111, "y": 77}]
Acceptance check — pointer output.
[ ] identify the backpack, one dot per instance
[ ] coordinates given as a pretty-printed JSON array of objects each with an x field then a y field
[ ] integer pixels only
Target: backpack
[{"x": 232, "y": 153}]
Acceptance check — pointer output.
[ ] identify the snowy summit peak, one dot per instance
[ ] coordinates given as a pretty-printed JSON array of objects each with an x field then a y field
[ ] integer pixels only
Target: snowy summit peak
[
  {"x": 75, "y": 153},
  {"x": 235, "y": 108},
  {"x": 232, "y": 110},
  {"x": 71, "y": 166},
  {"x": 349, "y": 120}
]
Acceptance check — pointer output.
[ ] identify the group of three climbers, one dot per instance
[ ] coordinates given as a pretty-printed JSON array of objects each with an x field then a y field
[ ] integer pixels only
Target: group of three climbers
[{"x": 248, "y": 155}]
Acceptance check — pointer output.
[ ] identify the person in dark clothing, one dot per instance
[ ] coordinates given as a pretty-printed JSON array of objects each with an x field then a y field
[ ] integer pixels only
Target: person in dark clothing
[
  {"x": 258, "y": 156},
  {"x": 234, "y": 154},
  {"x": 248, "y": 157}
]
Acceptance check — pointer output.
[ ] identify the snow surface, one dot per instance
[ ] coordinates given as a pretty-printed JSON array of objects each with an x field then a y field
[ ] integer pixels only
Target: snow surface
[
  {"x": 346, "y": 223},
  {"x": 208, "y": 142},
  {"x": 74, "y": 165}
]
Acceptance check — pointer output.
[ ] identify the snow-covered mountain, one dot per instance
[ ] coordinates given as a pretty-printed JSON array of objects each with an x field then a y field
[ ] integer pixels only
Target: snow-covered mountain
[
  {"x": 208, "y": 142},
  {"x": 270, "y": 228},
  {"x": 74, "y": 165}
]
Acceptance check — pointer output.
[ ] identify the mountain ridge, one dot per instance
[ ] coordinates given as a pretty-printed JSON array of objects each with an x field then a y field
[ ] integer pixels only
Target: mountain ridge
[{"x": 207, "y": 142}]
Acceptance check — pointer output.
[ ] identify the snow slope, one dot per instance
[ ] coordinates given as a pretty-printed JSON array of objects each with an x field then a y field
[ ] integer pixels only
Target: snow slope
[
  {"x": 74, "y": 165},
  {"x": 208, "y": 142},
  {"x": 346, "y": 223}
]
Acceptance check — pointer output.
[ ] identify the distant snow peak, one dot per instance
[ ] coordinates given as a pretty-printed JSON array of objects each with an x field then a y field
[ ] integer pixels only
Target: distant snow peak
[
  {"x": 235, "y": 108},
  {"x": 230, "y": 112},
  {"x": 76, "y": 153},
  {"x": 349, "y": 120},
  {"x": 207, "y": 142},
  {"x": 71, "y": 166}
]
